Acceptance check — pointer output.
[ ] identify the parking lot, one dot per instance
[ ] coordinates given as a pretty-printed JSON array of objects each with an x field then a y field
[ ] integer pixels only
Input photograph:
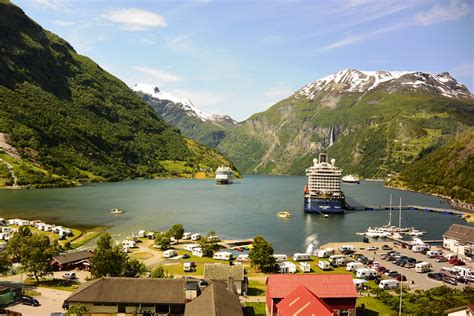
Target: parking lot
[{"x": 415, "y": 280}]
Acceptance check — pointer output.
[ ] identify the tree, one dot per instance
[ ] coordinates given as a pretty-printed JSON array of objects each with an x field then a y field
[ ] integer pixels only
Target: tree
[
  {"x": 134, "y": 268},
  {"x": 108, "y": 260},
  {"x": 208, "y": 246},
  {"x": 5, "y": 263},
  {"x": 159, "y": 272},
  {"x": 163, "y": 240},
  {"x": 36, "y": 254},
  {"x": 177, "y": 231},
  {"x": 17, "y": 241},
  {"x": 77, "y": 309},
  {"x": 261, "y": 254}
]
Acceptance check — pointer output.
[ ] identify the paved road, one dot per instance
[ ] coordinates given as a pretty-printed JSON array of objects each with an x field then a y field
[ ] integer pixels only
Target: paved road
[{"x": 50, "y": 300}]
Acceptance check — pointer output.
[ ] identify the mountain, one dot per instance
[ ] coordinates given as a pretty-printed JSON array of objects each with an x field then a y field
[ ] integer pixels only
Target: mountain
[
  {"x": 64, "y": 120},
  {"x": 207, "y": 129}
]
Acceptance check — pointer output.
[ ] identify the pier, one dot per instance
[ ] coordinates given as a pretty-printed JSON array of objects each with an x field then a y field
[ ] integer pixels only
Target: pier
[
  {"x": 229, "y": 244},
  {"x": 408, "y": 208}
]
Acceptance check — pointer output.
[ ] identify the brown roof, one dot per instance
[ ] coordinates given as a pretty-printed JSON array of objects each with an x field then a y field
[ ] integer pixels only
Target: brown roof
[
  {"x": 463, "y": 234},
  {"x": 131, "y": 290},
  {"x": 215, "y": 300},
  {"x": 219, "y": 271},
  {"x": 73, "y": 256}
]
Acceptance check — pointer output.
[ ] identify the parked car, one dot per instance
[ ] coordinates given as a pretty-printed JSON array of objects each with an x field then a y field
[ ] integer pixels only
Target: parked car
[
  {"x": 436, "y": 276},
  {"x": 456, "y": 262},
  {"x": 392, "y": 274},
  {"x": 386, "y": 247},
  {"x": 372, "y": 248},
  {"x": 65, "y": 305},
  {"x": 28, "y": 300},
  {"x": 371, "y": 277},
  {"x": 400, "y": 277},
  {"x": 409, "y": 265},
  {"x": 441, "y": 259},
  {"x": 185, "y": 256},
  {"x": 449, "y": 280},
  {"x": 391, "y": 258}
]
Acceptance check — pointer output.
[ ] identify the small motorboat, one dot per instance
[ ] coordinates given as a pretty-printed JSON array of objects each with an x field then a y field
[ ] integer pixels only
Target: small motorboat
[
  {"x": 116, "y": 211},
  {"x": 325, "y": 215},
  {"x": 284, "y": 214}
]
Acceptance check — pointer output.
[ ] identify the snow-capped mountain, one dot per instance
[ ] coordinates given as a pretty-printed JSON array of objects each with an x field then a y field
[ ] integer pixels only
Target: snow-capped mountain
[
  {"x": 173, "y": 103},
  {"x": 357, "y": 81}
]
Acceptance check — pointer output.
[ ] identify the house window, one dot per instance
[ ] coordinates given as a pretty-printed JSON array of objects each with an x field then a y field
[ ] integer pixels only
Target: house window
[{"x": 121, "y": 308}]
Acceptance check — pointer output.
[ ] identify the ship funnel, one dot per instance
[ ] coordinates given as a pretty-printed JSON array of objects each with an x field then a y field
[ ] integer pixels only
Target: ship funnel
[
  {"x": 333, "y": 161},
  {"x": 315, "y": 161}
]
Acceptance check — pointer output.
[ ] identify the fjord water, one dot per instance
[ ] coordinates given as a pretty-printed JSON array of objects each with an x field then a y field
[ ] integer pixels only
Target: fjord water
[{"x": 236, "y": 211}]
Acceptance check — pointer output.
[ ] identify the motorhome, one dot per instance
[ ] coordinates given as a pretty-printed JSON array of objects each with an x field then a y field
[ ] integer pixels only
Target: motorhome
[
  {"x": 223, "y": 255},
  {"x": 346, "y": 248},
  {"x": 187, "y": 236},
  {"x": 62, "y": 235},
  {"x": 190, "y": 247},
  {"x": 464, "y": 272},
  {"x": 324, "y": 265},
  {"x": 324, "y": 253},
  {"x": 7, "y": 230},
  {"x": 197, "y": 252},
  {"x": 151, "y": 235},
  {"x": 213, "y": 238},
  {"x": 333, "y": 258},
  {"x": 169, "y": 253},
  {"x": 422, "y": 267},
  {"x": 301, "y": 257},
  {"x": 129, "y": 243},
  {"x": 280, "y": 257},
  {"x": 419, "y": 248},
  {"x": 195, "y": 237},
  {"x": 450, "y": 256},
  {"x": 304, "y": 267},
  {"x": 141, "y": 233},
  {"x": 173, "y": 240},
  {"x": 433, "y": 253},
  {"x": 243, "y": 257},
  {"x": 189, "y": 267},
  {"x": 286, "y": 267},
  {"x": 352, "y": 266},
  {"x": 364, "y": 272},
  {"x": 389, "y": 284}
]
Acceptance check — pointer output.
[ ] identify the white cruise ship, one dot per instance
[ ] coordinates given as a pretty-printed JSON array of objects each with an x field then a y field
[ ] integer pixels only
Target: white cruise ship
[
  {"x": 323, "y": 192},
  {"x": 224, "y": 175}
]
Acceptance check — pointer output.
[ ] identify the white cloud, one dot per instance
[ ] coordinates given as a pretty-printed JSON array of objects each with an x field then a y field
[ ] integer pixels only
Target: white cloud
[
  {"x": 49, "y": 4},
  {"x": 278, "y": 92},
  {"x": 135, "y": 19},
  {"x": 455, "y": 10},
  {"x": 205, "y": 100},
  {"x": 157, "y": 75},
  {"x": 466, "y": 69},
  {"x": 178, "y": 42}
]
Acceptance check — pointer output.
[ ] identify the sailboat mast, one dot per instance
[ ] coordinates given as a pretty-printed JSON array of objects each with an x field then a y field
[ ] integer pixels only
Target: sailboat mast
[
  {"x": 390, "y": 213},
  {"x": 400, "y": 214}
]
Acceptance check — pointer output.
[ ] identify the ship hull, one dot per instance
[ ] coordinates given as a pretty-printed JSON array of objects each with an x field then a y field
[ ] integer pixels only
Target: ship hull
[
  {"x": 223, "y": 181},
  {"x": 319, "y": 205}
]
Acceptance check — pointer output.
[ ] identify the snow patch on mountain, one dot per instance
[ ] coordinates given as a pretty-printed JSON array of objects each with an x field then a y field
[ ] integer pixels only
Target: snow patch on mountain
[
  {"x": 351, "y": 80},
  {"x": 185, "y": 104}
]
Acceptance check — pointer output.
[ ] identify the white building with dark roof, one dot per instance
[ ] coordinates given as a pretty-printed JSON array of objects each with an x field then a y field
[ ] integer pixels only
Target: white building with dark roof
[{"x": 459, "y": 239}]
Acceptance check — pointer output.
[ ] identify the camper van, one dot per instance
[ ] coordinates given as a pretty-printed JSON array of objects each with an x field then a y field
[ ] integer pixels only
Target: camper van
[
  {"x": 190, "y": 247},
  {"x": 169, "y": 253},
  {"x": 189, "y": 267},
  {"x": 151, "y": 235},
  {"x": 213, "y": 238},
  {"x": 324, "y": 265},
  {"x": 195, "y": 237},
  {"x": 141, "y": 233},
  {"x": 301, "y": 257},
  {"x": 286, "y": 267},
  {"x": 333, "y": 258},
  {"x": 197, "y": 252},
  {"x": 422, "y": 267},
  {"x": 364, "y": 272},
  {"x": 352, "y": 266},
  {"x": 243, "y": 257},
  {"x": 280, "y": 257},
  {"x": 129, "y": 243},
  {"x": 187, "y": 236},
  {"x": 346, "y": 248},
  {"x": 450, "y": 256},
  {"x": 324, "y": 253},
  {"x": 464, "y": 272},
  {"x": 389, "y": 284},
  {"x": 434, "y": 253},
  {"x": 305, "y": 267},
  {"x": 419, "y": 248},
  {"x": 223, "y": 255},
  {"x": 62, "y": 235}
]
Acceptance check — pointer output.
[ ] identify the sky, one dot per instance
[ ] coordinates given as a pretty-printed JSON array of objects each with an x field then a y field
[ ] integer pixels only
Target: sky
[{"x": 239, "y": 57}]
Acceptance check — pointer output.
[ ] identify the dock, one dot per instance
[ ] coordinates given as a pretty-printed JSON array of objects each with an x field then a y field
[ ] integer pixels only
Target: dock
[
  {"x": 229, "y": 244},
  {"x": 409, "y": 208}
]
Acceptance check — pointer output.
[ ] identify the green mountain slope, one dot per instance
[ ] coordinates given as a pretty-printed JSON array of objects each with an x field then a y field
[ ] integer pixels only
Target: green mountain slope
[
  {"x": 69, "y": 121},
  {"x": 447, "y": 170}
]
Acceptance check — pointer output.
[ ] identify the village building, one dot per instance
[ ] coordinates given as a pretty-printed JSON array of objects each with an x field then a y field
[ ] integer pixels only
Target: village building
[
  {"x": 459, "y": 239},
  {"x": 216, "y": 300},
  {"x": 72, "y": 260},
  {"x": 461, "y": 311},
  {"x": 224, "y": 272},
  {"x": 328, "y": 292}
]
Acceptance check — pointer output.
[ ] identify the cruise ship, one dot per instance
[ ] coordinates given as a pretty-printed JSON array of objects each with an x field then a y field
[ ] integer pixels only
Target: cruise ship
[
  {"x": 224, "y": 175},
  {"x": 323, "y": 193}
]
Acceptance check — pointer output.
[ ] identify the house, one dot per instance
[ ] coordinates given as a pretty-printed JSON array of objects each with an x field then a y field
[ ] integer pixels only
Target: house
[
  {"x": 337, "y": 291},
  {"x": 459, "y": 239},
  {"x": 461, "y": 311},
  {"x": 303, "y": 302},
  {"x": 72, "y": 260},
  {"x": 131, "y": 295},
  {"x": 223, "y": 272},
  {"x": 216, "y": 300}
]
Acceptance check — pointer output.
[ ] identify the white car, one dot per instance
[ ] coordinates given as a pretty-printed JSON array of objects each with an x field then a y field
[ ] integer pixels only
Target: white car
[{"x": 372, "y": 248}]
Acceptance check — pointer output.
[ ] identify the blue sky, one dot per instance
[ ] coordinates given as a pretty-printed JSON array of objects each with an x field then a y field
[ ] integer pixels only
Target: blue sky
[{"x": 240, "y": 57}]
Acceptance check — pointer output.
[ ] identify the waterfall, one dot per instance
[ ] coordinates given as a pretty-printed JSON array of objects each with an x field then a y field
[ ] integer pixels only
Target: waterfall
[{"x": 331, "y": 136}]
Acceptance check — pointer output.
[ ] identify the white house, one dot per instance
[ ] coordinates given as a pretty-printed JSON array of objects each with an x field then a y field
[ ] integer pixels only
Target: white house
[{"x": 459, "y": 239}]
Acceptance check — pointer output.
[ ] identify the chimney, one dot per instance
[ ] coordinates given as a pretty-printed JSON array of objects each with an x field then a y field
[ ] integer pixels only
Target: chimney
[{"x": 230, "y": 284}]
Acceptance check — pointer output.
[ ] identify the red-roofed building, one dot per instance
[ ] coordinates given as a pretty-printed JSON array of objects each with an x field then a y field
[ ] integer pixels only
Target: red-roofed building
[
  {"x": 301, "y": 302},
  {"x": 336, "y": 290}
]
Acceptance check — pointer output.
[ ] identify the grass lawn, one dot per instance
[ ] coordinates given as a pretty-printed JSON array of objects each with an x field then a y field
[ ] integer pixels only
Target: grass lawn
[
  {"x": 57, "y": 284},
  {"x": 373, "y": 307},
  {"x": 141, "y": 255},
  {"x": 87, "y": 236},
  {"x": 177, "y": 269},
  {"x": 256, "y": 288},
  {"x": 255, "y": 309}
]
